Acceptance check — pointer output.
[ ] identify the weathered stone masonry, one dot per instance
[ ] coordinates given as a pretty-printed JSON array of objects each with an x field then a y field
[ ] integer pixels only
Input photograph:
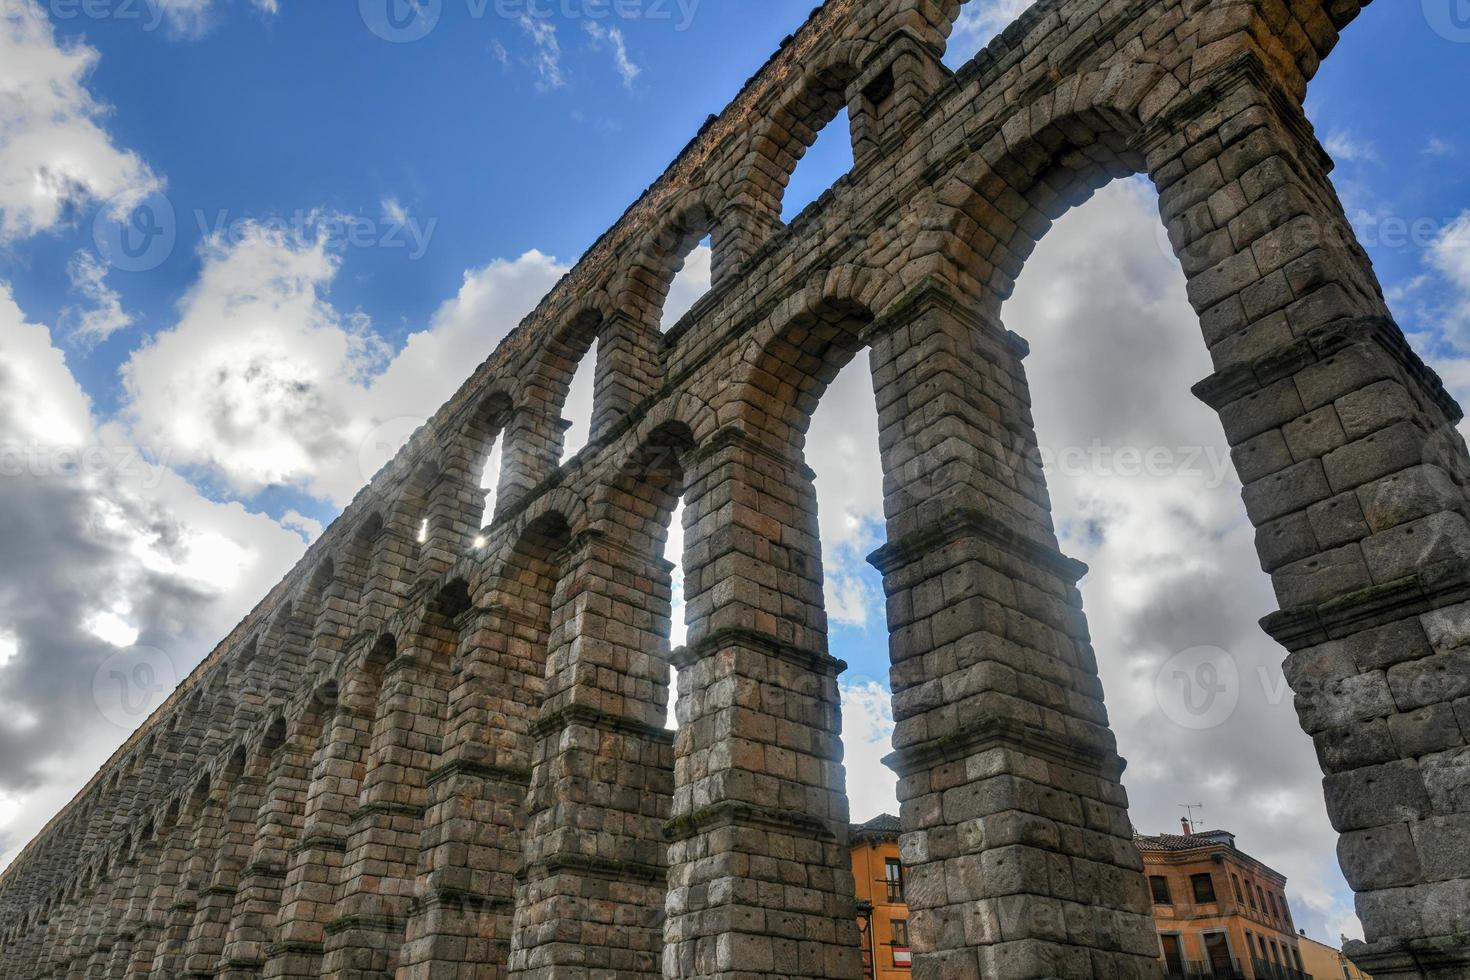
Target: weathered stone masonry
[{"x": 447, "y": 758}]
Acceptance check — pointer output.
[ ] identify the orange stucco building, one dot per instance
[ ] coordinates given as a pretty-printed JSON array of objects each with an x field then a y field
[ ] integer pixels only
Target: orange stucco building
[
  {"x": 883, "y": 915},
  {"x": 1220, "y": 912},
  {"x": 1326, "y": 962}
]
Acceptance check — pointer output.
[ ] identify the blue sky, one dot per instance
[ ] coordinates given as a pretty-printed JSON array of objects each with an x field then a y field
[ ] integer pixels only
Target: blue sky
[{"x": 469, "y": 168}]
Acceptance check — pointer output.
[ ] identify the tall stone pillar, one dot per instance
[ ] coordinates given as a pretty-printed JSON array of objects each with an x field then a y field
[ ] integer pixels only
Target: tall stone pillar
[
  {"x": 1016, "y": 838},
  {"x": 252, "y": 923},
  {"x": 629, "y": 369},
  {"x": 1355, "y": 480},
  {"x": 315, "y": 867},
  {"x": 473, "y": 838},
  {"x": 148, "y": 853},
  {"x": 204, "y": 950},
  {"x": 378, "y": 871},
  {"x": 760, "y": 873},
  {"x": 534, "y": 438},
  {"x": 208, "y": 808},
  {"x": 591, "y": 895},
  {"x": 173, "y": 852}
]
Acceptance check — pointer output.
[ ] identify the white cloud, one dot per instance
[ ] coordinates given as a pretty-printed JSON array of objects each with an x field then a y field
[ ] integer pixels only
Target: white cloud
[
  {"x": 55, "y": 156},
  {"x": 192, "y": 19},
  {"x": 105, "y": 317},
  {"x": 1437, "y": 147},
  {"x": 256, "y": 376},
  {"x": 547, "y": 58},
  {"x": 9, "y": 648},
  {"x": 394, "y": 212},
  {"x": 263, "y": 382},
  {"x": 109, "y": 626},
  {"x": 1449, "y": 255},
  {"x": 867, "y": 736},
  {"x": 309, "y": 528},
  {"x": 613, "y": 39},
  {"x": 1346, "y": 147}
]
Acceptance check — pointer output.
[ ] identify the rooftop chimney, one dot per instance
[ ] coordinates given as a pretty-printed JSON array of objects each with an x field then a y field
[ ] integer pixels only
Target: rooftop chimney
[{"x": 1188, "y": 830}]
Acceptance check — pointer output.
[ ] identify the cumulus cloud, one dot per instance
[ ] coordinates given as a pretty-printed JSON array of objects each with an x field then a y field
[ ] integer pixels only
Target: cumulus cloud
[
  {"x": 263, "y": 382},
  {"x": 105, "y": 548},
  {"x": 55, "y": 156}
]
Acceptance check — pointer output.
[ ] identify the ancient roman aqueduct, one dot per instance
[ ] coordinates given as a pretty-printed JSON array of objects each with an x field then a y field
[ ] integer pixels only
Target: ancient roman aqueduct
[{"x": 448, "y": 757}]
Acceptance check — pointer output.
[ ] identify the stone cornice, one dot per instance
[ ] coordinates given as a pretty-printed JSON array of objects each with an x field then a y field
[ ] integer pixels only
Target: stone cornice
[
  {"x": 817, "y": 661},
  {"x": 735, "y": 813},
  {"x": 998, "y": 733},
  {"x": 1285, "y": 360},
  {"x": 1435, "y": 587},
  {"x": 965, "y": 522},
  {"x": 585, "y": 717}
]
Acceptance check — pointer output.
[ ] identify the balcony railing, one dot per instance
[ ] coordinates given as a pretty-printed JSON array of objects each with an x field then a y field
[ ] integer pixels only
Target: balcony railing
[
  {"x": 1197, "y": 970},
  {"x": 1275, "y": 971}
]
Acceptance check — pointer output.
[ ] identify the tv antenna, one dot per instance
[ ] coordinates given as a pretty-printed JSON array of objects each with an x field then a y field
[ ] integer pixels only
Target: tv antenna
[{"x": 1189, "y": 809}]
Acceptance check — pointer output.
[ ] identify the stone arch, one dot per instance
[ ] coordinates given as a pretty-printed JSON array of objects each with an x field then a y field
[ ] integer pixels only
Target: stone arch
[
  {"x": 809, "y": 337},
  {"x": 458, "y": 512},
  {"x": 643, "y": 285},
  {"x": 526, "y": 576},
  {"x": 1036, "y": 167},
  {"x": 791, "y": 127}
]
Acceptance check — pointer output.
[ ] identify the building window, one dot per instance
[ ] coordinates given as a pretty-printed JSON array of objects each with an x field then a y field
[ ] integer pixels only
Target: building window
[
  {"x": 1250, "y": 896},
  {"x": 901, "y": 954},
  {"x": 1159, "y": 885},
  {"x": 893, "y": 875},
  {"x": 1235, "y": 880},
  {"x": 1173, "y": 955},
  {"x": 1204, "y": 888},
  {"x": 1260, "y": 894}
]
